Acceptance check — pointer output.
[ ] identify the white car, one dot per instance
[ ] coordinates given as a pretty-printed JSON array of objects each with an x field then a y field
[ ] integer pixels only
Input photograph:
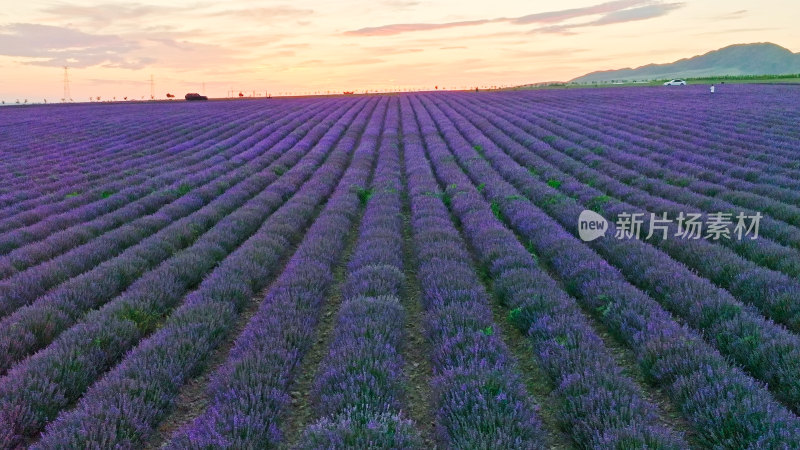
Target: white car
[{"x": 676, "y": 82}]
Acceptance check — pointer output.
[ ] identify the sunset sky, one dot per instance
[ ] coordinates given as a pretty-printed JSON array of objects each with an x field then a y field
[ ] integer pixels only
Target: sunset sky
[{"x": 112, "y": 48}]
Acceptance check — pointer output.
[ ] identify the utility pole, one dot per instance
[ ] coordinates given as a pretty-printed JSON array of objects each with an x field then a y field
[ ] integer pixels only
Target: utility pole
[
  {"x": 67, "y": 95},
  {"x": 152, "y": 88},
  {"x": 204, "y": 88}
]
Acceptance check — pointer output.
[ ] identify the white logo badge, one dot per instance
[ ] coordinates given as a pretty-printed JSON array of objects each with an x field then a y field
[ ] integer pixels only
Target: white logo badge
[{"x": 591, "y": 225}]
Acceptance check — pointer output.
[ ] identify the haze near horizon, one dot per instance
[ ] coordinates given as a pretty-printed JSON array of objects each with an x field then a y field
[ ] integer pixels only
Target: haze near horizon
[{"x": 307, "y": 46}]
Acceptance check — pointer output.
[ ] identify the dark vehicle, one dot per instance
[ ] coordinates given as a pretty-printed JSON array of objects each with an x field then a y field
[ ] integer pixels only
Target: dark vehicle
[{"x": 195, "y": 96}]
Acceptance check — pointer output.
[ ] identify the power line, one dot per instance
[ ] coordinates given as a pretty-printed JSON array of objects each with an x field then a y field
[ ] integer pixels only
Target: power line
[{"x": 67, "y": 97}]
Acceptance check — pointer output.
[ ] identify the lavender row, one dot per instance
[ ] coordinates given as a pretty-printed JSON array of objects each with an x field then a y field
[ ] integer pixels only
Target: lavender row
[
  {"x": 716, "y": 154},
  {"x": 629, "y": 171},
  {"x": 37, "y": 174},
  {"x": 190, "y": 137},
  {"x": 26, "y": 286},
  {"x": 773, "y": 356},
  {"x": 679, "y": 159},
  {"x": 628, "y": 184},
  {"x": 30, "y": 133},
  {"x": 359, "y": 387},
  {"x": 750, "y": 122},
  {"x": 58, "y": 216},
  {"x": 122, "y": 192},
  {"x": 739, "y": 150},
  {"x": 30, "y": 328},
  {"x": 773, "y": 293},
  {"x": 727, "y": 123},
  {"x": 80, "y": 156},
  {"x": 67, "y": 372},
  {"x": 726, "y": 408},
  {"x": 59, "y": 195},
  {"x": 476, "y": 379},
  {"x": 114, "y": 411},
  {"x": 599, "y": 406},
  {"x": 706, "y": 157},
  {"x": 249, "y": 393},
  {"x": 131, "y": 214},
  {"x": 16, "y": 142},
  {"x": 631, "y": 179}
]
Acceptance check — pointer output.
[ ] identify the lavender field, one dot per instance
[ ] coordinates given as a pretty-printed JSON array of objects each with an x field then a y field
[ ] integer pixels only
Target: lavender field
[{"x": 402, "y": 271}]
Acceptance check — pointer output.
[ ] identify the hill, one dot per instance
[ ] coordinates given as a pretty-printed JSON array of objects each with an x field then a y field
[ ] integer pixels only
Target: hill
[{"x": 740, "y": 59}]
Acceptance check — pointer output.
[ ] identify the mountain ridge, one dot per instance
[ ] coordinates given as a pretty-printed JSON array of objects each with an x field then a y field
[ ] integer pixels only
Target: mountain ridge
[{"x": 762, "y": 58}]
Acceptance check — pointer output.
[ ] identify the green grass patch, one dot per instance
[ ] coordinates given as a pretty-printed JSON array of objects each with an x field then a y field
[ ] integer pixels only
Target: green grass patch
[
  {"x": 183, "y": 189},
  {"x": 554, "y": 199},
  {"x": 145, "y": 321},
  {"x": 496, "y": 211},
  {"x": 680, "y": 181},
  {"x": 597, "y": 203},
  {"x": 364, "y": 194}
]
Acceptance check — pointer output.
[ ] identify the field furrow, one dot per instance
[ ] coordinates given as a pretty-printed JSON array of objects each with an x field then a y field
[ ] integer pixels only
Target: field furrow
[
  {"x": 475, "y": 378},
  {"x": 636, "y": 318},
  {"x": 474, "y": 269},
  {"x": 243, "y": 414},
  {"x": 125, "y": 322},
  {"x": 588, "y": 383},
  {"x": 34, "y": 326}
]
